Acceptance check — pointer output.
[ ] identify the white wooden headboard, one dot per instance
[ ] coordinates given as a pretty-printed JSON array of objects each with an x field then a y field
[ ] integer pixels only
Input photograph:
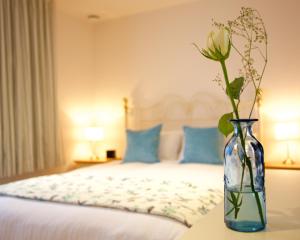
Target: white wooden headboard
[{"x": 201, "y": 110}]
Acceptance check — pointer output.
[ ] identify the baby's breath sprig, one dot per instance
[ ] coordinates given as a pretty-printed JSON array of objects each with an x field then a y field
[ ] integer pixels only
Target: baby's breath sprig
[{"x": 249, "y": 28}]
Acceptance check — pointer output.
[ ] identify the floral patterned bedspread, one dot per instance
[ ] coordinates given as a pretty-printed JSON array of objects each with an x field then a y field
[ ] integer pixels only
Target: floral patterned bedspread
[{"x": 180, "y": 200}]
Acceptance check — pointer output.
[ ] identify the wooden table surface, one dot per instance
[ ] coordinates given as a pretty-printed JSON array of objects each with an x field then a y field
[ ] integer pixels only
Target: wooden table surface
[
  {"x": 283, "y": 213},
  {"x": 280, "y": 165}
]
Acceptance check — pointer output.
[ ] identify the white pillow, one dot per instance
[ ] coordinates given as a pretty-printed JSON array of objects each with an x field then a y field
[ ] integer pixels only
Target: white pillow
[{"x": 170, "y": 145}]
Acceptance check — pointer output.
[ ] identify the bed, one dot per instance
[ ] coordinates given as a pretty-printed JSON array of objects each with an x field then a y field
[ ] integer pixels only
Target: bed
[
  {"x": 36, "y": 220},
  {"x": 39, "y": 208}
]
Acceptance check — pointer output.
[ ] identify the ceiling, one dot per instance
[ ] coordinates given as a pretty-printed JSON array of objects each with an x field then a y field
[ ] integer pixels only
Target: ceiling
[{"x": 109, "y": 9}]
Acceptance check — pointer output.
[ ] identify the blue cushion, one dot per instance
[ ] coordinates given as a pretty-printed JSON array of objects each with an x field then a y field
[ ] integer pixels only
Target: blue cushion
[
  {"x": 202, "y": 145},
  {"x": 142, "y": 146}
]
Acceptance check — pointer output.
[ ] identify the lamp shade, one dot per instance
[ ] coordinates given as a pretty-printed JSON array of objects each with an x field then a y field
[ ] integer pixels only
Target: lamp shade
[
  {"x": 287, "y": 131},
  {"x": 94, "y": 133}
]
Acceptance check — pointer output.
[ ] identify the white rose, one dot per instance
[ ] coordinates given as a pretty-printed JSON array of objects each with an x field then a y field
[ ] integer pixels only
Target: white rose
[{"x": 218, "y": 45}]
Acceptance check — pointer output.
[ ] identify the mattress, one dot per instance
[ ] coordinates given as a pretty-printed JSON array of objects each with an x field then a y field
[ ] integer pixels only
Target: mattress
[{"x": 36, "y": 220}]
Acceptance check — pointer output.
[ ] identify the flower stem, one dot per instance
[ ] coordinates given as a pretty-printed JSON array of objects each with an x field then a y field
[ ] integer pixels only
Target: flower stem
[
  {"x": 235, "y": 110},
  {"x": 246, "y": 160}
]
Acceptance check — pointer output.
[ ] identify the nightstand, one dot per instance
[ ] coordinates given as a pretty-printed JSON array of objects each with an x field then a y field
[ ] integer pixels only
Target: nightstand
[
  {"x": 279, "y": 165},
  {"x": 84, "y": 161},
  {"x": 87, "y": 162}
]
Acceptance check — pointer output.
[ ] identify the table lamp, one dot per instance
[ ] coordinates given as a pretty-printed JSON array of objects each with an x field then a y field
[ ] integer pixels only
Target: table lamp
[
  {"x": 287, "y": 132},
  {"x": 94, "y": 135}
]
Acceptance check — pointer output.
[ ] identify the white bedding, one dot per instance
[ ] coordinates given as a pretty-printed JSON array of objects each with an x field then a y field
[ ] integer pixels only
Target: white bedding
[{"x": 33, "y": 220}]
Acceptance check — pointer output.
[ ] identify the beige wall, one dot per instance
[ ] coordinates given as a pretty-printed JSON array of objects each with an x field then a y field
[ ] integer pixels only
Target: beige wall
[
  {"x": 148, "y": 55},
  {"x": 74, "y": 58}
]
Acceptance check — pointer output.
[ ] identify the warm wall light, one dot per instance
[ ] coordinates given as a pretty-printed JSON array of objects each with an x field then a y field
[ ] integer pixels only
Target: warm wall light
[
  {"x": 94, "y": 135},
  {"x": 287, "y": 132}
]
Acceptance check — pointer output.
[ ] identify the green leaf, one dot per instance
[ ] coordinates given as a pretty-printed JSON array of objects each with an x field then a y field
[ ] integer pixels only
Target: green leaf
[
  {"x": 235, "y": 87},
  {"x": 230, "y": 211},
  {"x": 234, "y": 199},
  {"x": 236, "y": 212},
  {"x": 236, "y": 203},
  {"x": 240, "y": 204},
  {"x": 225, "y": 127},
  {"x": 231, "y": 201}
]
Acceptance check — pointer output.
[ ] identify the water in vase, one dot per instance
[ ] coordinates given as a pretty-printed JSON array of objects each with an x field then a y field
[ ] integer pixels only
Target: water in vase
[{"x": 247, "y": 219}]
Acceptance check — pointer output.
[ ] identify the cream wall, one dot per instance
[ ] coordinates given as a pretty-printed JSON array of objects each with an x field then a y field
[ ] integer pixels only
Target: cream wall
[
  {"x": 75, "y": 73},
  {"x": 149, "y": 55}
]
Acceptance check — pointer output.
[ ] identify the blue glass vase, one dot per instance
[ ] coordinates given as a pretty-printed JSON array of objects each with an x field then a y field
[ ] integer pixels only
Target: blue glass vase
[{"x": 244, "y": 180}]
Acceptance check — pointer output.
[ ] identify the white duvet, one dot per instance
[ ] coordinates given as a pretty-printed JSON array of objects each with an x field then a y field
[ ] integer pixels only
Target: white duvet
[{"x": 34, "y": 220}]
